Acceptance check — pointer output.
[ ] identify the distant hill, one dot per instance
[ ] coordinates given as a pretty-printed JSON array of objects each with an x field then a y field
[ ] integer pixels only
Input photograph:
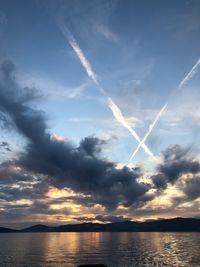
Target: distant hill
[
  {"x": 37, "y": 228},
  {"x": 165, "y": 225},
  {"x": 7, "y": 230}
]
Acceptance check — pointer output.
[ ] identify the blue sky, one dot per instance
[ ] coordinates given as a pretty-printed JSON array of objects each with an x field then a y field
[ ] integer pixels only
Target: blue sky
[{"x": 140, "y": 52}]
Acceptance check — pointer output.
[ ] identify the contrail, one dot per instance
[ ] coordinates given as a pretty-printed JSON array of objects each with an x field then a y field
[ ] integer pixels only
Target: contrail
[
  {"x": 186, "y": 79},
  {"x": 118, "y": 115},
  {"x": 83, "y": 59},
  {"x": 149, "y": 131},
  {"x": 189, "y": 76},
  {"x": 81, "y": 56},
  {"x": 114, "y": 108}
]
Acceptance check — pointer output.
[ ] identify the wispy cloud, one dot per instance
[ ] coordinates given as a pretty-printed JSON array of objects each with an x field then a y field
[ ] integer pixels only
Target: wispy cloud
[
  {"x": 106, "y": 32},
  {"x": 74, "y": 92},
  {"x": 52, "y": 88}
]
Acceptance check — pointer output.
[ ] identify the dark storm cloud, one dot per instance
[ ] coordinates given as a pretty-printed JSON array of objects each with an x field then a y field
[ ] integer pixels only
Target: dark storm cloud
[
  {"x": 29, "y": 122},
  {"x": 91, "y": 145},
  {"x": 17, "y": 184},
  {"x": 159, "y": 180},
  {"x": 192, "y": 188},
  {"x": 79, "y": 168},
  {"x": 176, "y": 162}
]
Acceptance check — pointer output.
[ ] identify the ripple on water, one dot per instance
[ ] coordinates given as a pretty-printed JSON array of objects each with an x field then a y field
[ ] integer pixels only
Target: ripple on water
[{"x": 112, "y": 249}]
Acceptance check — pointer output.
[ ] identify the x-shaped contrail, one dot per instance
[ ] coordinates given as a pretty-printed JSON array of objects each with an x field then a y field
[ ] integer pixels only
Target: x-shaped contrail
[
  {"x": 186, "y": 79},
  {"x": 112, "y": 105},
  {"x": 151, "y": 126},
  {"x": 118, "y": 115},
  {"x": 114, "y": 108}
]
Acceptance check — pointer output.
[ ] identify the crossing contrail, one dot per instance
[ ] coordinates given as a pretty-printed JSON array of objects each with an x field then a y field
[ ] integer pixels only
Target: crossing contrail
[
  {"x": 151, "y": 126},
  {"x": 186, "y": 79},
  {"x": 113, "y": 107},
  {"x": 118, "y": 115}
]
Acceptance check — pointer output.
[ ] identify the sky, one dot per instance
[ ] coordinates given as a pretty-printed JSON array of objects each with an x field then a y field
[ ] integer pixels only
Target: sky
[{"x": 83, "y": 84}]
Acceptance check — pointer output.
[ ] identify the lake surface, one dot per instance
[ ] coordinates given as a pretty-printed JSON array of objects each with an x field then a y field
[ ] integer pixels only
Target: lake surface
[{"x": 112, "y": 249}]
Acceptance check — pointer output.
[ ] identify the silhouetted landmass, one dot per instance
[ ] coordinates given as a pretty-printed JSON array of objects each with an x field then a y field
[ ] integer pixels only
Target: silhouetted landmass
[
  {"x": 39, "y": 228},
  {"x": 7, "y": 230},
  {"x": 165, "y": 225}
]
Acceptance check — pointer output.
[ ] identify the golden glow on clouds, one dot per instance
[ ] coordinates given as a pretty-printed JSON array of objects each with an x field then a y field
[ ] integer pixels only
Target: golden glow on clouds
[
  {"x": 68, "y": 210},
  {"x": 161, "y": 202},
  {"x": 23, "y": 202},
  {"x": 186, "y": 205},
  {"x": 166, "y": 199},
  {"x": 58, "y": 193},
  {"x": 121, "y": 207},
  {"x": 57, "y": 138},
  {"x": 70, "y": 205}
]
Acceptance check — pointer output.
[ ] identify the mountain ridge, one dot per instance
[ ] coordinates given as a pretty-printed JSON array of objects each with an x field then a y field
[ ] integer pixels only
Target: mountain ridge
[{"x": 162, "y": 225}]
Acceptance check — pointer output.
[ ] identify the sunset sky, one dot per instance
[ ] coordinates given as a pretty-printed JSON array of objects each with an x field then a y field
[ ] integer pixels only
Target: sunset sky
[{"x": 76, "y": 77}]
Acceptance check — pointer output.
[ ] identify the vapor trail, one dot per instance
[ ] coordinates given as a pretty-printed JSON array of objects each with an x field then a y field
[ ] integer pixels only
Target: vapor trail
[
  {"x": 118, "y": 115},
  {"x": 114, "y": 108},
  {"x": 189, "y": 76},
  {"x": 186, "y": 79},
  {"x": 151, "y": 126},
  {"x": 83, "y": 59}
]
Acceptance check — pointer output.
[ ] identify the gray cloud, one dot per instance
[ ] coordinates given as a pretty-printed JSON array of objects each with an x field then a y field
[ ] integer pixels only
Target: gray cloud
[
  {"x": 176, "y": 162},
  {"x": 49, "y": 162},
  {"x": 192, "y": 188},
  {"x": 79, "y": 168},
  {"x": 5, "y": 146}
]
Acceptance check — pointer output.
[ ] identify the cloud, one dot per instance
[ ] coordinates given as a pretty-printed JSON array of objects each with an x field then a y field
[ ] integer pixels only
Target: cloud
[
  {"x": 192, "y": 188},
  {"x": 104, "y": 218},
  {"x": 106, "y": 33},
  {"x": 91, "y": 145},
  {"x": 52, "y": 88},
  {"x": 78, "y": 168},
  {"x": 92, "y": 18},
  {"x": 176, "y": 162},
  {"x": 53, "y": 162},
  {"x": 5, "y": 146}
]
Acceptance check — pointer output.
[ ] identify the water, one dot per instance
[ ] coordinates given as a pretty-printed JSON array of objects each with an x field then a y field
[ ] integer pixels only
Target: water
[{"x": 113, "y": 249}]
